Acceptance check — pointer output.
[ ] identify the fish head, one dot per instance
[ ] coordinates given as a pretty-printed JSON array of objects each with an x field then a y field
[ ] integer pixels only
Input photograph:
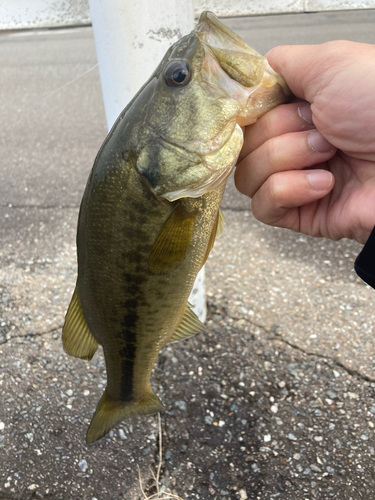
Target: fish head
[{"x": 209, "y": 85}]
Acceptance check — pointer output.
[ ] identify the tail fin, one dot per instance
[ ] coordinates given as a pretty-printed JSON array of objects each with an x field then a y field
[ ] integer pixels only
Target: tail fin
[{"x": 109, "y": 413}]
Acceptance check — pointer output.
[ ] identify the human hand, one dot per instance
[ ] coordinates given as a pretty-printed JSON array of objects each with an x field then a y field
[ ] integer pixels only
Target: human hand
[{"x": 310, "y": 165}]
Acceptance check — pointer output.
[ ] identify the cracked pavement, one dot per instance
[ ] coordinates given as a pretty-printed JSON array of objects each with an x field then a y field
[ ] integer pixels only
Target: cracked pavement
[{"x": 276, "y": 400}]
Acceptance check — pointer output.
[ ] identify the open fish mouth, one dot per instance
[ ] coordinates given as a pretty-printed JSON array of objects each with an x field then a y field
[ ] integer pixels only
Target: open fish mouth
[{"x": 239, "y": 70}]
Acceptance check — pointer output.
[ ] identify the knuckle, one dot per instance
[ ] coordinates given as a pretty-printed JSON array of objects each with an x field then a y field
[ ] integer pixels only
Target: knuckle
[
  {"x": 274, "y": 192},
  {"x": 272, "y": 154}
]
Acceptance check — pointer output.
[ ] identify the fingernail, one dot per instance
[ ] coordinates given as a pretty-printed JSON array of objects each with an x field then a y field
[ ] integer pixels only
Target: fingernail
[
  {"x": 320, "y": 179},
  {"x": 305, "y": 113},
  {"x": 318, "y": 143}
]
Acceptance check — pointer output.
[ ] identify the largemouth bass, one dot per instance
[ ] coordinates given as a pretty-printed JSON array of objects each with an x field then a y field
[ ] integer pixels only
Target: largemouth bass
[{"x": 150, "y": 212}]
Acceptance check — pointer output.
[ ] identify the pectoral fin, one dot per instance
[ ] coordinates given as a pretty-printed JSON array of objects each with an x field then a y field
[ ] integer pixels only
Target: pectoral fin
[
  {"x": 173, "y": 241},
  {"x": 77, "y": 339},
  {"x": 189, "y": 325},
  {"x": 215, "y": 233},
  {"x": 109, "y": 413}
]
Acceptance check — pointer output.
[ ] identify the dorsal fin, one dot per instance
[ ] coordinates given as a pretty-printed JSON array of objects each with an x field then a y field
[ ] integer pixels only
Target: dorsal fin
[
  {"x": 173, "y": 241},
  {"x": 189, "y": 325},
  {"x": 77, "y": 339}
]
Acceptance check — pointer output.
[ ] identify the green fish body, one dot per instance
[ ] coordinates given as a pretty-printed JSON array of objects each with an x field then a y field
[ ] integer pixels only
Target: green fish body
[{"x": 151, "y": 210}]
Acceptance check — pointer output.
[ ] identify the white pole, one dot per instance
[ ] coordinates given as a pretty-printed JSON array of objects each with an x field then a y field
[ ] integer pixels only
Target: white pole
[{"x": 131, "y": 37}]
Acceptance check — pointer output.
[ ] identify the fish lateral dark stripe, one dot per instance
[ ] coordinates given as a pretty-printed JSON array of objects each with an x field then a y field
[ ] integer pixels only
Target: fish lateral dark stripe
[{"x": 128, "y": 352}]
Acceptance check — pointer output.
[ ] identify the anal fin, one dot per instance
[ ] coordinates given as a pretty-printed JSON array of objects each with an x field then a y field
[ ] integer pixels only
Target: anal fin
[
  {"x": 189, "y": 325},
  {"x": 109, "y": 413},
  {"x": 77, "y": 339}
]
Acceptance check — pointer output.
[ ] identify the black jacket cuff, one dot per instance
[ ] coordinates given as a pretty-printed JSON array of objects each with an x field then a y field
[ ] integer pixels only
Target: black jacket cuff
[{"x": 365, "y": 262}]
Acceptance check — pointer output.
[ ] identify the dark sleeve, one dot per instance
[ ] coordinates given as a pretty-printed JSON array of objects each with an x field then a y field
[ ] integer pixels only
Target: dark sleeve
[{"x": 365, "y": 262}]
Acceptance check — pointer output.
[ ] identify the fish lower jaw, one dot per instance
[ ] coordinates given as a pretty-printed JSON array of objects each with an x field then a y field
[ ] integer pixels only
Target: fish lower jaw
[{"x": 270, "y": 92}]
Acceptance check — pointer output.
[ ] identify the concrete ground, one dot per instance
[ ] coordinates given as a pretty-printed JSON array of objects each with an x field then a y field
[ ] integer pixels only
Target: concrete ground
[{"x": 276, "y": 400}]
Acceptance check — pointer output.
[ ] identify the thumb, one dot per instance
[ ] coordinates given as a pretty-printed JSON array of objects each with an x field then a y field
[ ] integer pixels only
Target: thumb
[
  {"x": 309, "y": 68},
  {"x": 298, "y": 65}
]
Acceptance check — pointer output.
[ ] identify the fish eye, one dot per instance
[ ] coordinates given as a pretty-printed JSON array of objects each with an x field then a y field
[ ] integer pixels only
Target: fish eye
[{"x": 177, "y": 74}]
